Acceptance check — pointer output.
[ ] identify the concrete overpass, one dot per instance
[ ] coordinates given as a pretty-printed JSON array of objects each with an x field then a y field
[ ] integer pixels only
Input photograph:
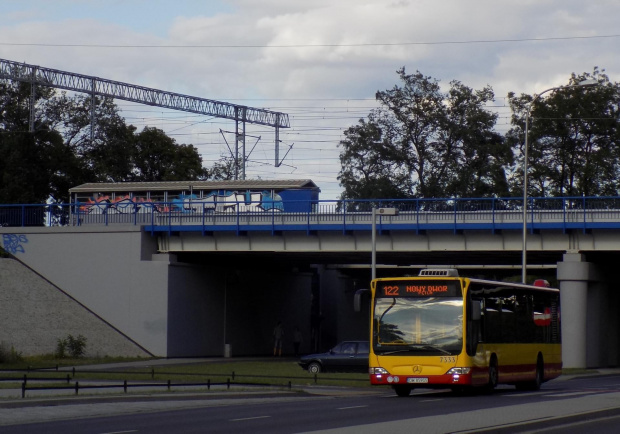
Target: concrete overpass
[{"x": 178, "y": 285}]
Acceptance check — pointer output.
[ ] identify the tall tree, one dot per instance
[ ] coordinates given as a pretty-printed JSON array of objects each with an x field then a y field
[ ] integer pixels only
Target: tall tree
[
  {"x": 423, "y": 142},
  {"x": 61, "y": 153},
  {"x": 159, "y": 158},
  {"x": 108, "y": 155},
  {"x": 29, "y": 161},
  {"x": 574, "y": 146}
]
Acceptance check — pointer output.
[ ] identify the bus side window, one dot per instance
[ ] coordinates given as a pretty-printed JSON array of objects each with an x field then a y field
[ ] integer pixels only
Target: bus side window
[{"x": 492, "y": 328}]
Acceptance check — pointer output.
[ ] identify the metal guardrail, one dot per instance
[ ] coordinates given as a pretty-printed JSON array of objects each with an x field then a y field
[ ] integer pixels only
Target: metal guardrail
[
  {"x": 232, "y": 379},
  {"x": 492, "y": 214}
]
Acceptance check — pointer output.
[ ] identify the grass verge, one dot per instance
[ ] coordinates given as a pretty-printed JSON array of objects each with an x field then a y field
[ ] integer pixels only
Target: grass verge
[{"x": 271, "y": 372}]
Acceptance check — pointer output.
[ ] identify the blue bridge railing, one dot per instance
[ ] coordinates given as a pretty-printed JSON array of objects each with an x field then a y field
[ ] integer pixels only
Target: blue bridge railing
[{"x": 489, "y": 214}]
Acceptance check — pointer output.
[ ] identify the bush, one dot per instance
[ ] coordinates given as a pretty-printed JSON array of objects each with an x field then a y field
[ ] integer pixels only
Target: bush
[
  {"x": 9, "y": 355},
  {"x": 61, "y": 348},
  {"x": 71, "y": 347},
  {"x": 77, "y": 346}
]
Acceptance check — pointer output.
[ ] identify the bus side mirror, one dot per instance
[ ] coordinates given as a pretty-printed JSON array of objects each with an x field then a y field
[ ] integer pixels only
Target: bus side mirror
[
  {"x": 357, "y": 299},
  {"x": 476, "y": 311}
]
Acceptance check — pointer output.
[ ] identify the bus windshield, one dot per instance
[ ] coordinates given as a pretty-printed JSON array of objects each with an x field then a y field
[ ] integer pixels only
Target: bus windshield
[{"x": 418, "y": 325}]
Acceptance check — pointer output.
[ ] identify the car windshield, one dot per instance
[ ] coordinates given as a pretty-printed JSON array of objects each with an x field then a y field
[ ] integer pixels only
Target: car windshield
[{"x": 418, "y": 325}]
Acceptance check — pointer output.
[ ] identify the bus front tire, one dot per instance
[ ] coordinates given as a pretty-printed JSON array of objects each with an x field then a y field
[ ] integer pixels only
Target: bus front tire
[
  {"x": 493, "y": 375},
  {"x": 403, "y": 391}
]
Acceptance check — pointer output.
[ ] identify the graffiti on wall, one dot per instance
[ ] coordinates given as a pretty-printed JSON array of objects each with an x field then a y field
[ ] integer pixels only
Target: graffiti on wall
[
  {"x": 120, "y": 205},
  {"x": 229, "y": 202},
  {"x": 13, "y": 243}
]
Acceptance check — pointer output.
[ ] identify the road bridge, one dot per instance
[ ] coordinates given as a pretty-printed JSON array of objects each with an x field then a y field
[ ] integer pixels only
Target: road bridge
[{"x": 182, "y": 283}]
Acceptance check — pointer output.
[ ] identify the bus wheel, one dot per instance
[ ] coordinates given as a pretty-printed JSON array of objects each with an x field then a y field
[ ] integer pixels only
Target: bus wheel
[
  {"x": 403, "y": 391},
  {"x": 461, "y": 390},
  {"x": 493, "y": 374},
  {"x": 540, "y": 373},
  {"x": 538, "y": 379}
]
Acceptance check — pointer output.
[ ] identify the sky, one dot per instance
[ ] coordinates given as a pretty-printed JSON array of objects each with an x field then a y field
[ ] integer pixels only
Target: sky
[{"x": 319, "y": 61}]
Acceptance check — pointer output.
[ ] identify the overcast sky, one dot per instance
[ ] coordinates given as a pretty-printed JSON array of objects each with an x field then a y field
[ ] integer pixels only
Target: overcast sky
[{"x": 319, "y": 61}]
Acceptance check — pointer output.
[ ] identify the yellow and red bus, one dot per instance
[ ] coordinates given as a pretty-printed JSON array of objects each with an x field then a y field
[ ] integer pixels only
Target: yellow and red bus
[{"x": 439, "y": 330}]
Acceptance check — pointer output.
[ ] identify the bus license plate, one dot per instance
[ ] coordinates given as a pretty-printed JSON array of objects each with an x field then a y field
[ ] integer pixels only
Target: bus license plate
[{"x": 417, "y": 380}]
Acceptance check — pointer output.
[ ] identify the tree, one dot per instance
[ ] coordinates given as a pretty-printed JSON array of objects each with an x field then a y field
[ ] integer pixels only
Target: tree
[
  {"x": 29, "y": 161},
  {"x": 423, "y": 142},
  {"x": 61, "y": 153},
  {"x": 108, "y": 156},
  {"x": 159, "y": 158},
  {"x": 222, "y": 170},
  {"x": 573, "y": 139},
  {"x": 370, "y": 163}
]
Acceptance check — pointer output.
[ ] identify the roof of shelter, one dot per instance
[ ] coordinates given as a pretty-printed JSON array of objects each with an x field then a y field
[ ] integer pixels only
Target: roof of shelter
[{"x": 198, "y": 185}]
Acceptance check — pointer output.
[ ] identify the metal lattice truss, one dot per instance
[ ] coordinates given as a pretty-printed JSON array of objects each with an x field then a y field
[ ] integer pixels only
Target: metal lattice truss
[{"x": 95, "y": 86}]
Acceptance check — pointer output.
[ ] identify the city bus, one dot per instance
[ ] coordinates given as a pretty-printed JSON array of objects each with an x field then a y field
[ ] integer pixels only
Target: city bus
[{"x": 439, "y": 330}]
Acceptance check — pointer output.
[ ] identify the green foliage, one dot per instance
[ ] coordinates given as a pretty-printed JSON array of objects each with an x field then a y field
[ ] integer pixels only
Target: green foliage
[
  {"x": 61, "y": 348},
  {"x": 70, "y": 346},
  {"x": 423, "y": 142},
  {"x": 63, "y": 152},
  {"x": 76, "y": 346},
  {"x": 573, "y": 138},
  {"x": 158, "y": 158},
  {"x": 9, "y": 355}
]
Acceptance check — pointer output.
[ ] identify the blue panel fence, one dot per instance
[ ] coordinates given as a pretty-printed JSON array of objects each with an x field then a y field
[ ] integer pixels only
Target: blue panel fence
[{"x": 451, "y": 214}]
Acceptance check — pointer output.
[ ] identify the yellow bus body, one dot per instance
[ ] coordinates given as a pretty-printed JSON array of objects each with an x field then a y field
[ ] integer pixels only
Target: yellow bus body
[{"x": 515, "y": 363}]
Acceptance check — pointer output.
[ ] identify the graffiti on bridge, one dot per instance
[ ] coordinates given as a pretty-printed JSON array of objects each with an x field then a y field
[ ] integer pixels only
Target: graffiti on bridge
[
  {"x": 13, "y": 243},
  {"x": 229, "y": 202}
]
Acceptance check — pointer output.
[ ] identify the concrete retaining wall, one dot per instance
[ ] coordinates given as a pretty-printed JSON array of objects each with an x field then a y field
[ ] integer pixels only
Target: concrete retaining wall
[{"x": 34, "y": 314}]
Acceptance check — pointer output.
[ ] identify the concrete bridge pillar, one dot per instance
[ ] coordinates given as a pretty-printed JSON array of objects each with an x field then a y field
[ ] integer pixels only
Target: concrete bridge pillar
[{"x": 573, "y": 276}]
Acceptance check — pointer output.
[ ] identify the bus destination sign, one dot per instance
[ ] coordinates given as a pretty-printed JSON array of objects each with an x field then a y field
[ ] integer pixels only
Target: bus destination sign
[{"x": 419, "y": 288}]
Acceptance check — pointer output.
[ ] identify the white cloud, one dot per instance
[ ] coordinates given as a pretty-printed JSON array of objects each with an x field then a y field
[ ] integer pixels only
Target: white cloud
[{"x": 285, "y": 73}]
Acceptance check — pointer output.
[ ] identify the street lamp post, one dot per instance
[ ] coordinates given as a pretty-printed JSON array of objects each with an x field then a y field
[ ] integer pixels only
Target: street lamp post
[
  {"x": 380, "y": 211},
  {"x": 589, "y": 82}
]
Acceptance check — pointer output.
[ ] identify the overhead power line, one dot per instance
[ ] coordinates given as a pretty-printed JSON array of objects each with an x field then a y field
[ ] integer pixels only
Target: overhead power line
[
  {"x": 370, "y": 44},
  {"x": 95, "y": 86}
]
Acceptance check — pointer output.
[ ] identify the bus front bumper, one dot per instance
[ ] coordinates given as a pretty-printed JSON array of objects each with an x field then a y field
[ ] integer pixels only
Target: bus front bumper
[{"x": 446, "y": 380}]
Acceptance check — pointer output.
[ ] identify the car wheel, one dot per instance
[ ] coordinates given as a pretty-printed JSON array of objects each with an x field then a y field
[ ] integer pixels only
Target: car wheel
[{"x": 314, "y": 368}]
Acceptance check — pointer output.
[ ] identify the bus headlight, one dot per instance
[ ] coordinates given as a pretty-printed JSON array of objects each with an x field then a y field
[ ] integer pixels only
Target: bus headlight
[
  {"x": 377, "y": 371},
  {"x": 458, "y": 371}
]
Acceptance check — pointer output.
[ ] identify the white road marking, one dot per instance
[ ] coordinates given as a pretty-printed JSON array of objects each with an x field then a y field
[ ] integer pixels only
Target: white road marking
[
  {"x": 571, "y": 394},
  {"x": 249, "y": 418},
  {"x": 120, "y": 432},
  {"x": 349, "y": 408}
]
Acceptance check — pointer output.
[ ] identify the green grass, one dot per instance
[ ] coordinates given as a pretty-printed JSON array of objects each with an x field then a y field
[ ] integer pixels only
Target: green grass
[
  {"x": 50, "y": 361},
  {"x": 273, "y": 372}
]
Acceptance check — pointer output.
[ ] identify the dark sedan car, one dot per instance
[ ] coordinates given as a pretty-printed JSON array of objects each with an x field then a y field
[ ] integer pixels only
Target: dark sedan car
[{"x": 346, "y": 356}]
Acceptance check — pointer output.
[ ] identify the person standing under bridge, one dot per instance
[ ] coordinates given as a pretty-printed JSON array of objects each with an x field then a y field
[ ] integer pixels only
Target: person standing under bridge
[{"x": 278, "y": 335}]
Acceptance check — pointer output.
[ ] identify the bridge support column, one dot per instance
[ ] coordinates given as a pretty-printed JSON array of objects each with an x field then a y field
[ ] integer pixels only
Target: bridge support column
[{"x": 574, "y": 275}]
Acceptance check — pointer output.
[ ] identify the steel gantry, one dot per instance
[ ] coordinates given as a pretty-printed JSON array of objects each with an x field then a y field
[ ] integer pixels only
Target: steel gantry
[{"x": 95, "y": 86}]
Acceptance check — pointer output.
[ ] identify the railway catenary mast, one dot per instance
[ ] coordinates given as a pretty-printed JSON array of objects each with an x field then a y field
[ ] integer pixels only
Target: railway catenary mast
[{"x": 95, "y": 86}]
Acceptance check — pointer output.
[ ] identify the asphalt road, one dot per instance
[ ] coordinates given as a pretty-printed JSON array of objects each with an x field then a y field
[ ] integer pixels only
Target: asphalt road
[{"x": 567, "y": 405}]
